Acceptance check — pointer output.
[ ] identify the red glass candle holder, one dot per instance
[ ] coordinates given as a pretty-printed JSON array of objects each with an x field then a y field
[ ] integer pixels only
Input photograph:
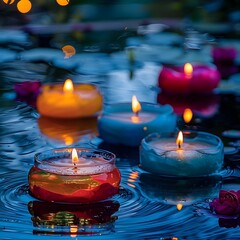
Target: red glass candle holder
[{"x": 55, "y": 178}]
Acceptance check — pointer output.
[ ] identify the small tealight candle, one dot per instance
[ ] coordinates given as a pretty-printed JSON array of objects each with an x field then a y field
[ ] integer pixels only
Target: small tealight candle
[
  {"x": 72, "y": 175},
  {"x": 128, "y": 124},
  {"x": 200, "y": 79},
  {"x": 199, "y": 154},
  {"x": 69, "y": 101}
]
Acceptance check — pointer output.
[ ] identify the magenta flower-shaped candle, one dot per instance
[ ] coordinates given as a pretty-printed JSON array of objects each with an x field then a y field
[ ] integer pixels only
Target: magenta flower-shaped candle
[{"x": 188, "y": 79}]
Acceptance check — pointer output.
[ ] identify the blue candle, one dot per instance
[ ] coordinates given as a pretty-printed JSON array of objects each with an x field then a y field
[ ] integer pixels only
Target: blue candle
[
  {"x": 199, "y": 154},
  {"x": 120, "y": 125}
]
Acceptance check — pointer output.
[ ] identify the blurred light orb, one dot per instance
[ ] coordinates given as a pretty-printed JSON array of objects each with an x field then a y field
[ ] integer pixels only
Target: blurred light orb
[
  {"x": 8, "y": 1},
  {"x": 63, "y": 2},
  {"x": 24, "y": 6},
  {"x": 69, "y": 51}
]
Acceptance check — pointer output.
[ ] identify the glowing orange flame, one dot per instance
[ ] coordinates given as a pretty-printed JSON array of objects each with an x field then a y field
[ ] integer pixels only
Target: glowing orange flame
[
  {"x": 179, "y": 206},
  {"x": 188, "y": 69},
  {"x": 69, "y": 51},
  {"x": 63, "y": 2},
  {"x": 136, "y": 106},
  {"x": 74, "y": 156},
  {"x": 24, "y": 6},
  {"x": 187, "y": 115},
  {"x": 179, "y": 140},
  {"x": 68, "y": 86}
]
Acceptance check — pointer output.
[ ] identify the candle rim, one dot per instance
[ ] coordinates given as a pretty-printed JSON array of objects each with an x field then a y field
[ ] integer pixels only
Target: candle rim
[
  {"x": 148, "y": 107},
  {"x": 172, "y": 135},
  {"x": 44, "y": 163},
  {"x": 58, "y": 87}
]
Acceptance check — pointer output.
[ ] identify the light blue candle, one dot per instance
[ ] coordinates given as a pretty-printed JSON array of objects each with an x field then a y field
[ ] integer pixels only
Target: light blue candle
[
  {"x": 119, "y": 125},
  {"x": 200, "y": 154}
]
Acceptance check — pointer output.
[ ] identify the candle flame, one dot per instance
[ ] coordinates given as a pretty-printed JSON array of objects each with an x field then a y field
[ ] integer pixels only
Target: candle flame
[
  {"x": 68, "y": 86},
  {"x": 136, "y": 106},
  {"x": 74, "y": 156},
  {"x": 187, "y": 115},
  {"x": 179, "y": 206},
  {"x": 188, "y": 69},
  {"x": 179, "y": 140}
]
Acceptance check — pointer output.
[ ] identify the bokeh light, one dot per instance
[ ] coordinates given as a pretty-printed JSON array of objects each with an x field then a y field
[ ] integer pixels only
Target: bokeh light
[
  {"x": 9, "y": 1},
  {"x": 69, "y": 51},
  {"x": 63, "y": 2},
  {"x": 24, "y": 6}
]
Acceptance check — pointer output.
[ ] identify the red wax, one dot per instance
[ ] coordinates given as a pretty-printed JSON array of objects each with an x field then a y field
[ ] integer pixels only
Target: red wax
[
  {"x": 204, "y": 79},
  {"x": 73, "y": 188}
]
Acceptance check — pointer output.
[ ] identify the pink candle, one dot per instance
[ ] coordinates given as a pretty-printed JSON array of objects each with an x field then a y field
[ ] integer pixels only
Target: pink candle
[{"x": 196, "y": 80}]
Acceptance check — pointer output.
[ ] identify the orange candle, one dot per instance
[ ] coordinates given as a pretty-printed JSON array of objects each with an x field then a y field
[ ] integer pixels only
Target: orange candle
[{"x": 69, "y": 101}]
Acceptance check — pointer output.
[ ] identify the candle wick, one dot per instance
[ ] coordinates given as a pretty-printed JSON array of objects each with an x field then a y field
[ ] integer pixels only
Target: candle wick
[
  {"x": 75, "y": 169},
  {"x": 179, "y": 145},
  {"x": 136, "y": 113}
]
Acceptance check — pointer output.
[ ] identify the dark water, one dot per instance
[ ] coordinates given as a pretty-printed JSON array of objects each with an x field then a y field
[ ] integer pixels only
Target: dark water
[{"x": 145, "y": 207}]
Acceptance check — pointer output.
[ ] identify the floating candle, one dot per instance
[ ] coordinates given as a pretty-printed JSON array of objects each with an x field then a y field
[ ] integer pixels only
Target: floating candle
[
  {"x": 127, "y": 125},
  {"x": 200, "y": 154},
  {"x": 69, "y": 101},
  {"x": 189, "y": 79},
  {"x": 89, "y": 176}
]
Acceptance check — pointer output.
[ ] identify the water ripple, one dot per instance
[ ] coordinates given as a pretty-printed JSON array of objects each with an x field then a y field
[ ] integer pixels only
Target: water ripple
[{"x": 145, "y": 208}]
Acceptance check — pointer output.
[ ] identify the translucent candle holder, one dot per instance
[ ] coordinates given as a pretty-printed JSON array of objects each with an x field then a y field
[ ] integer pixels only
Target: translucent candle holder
[
  {"x": 201, "y": 154},
  {"x": 55, "y": 178}
]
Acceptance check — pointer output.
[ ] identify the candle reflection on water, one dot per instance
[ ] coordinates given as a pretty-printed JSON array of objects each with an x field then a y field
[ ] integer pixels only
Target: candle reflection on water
[
  {"x": 73, "y": 219},
  {"x": 179, "y": 192},
  {"x": 68, "y": 131}
]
